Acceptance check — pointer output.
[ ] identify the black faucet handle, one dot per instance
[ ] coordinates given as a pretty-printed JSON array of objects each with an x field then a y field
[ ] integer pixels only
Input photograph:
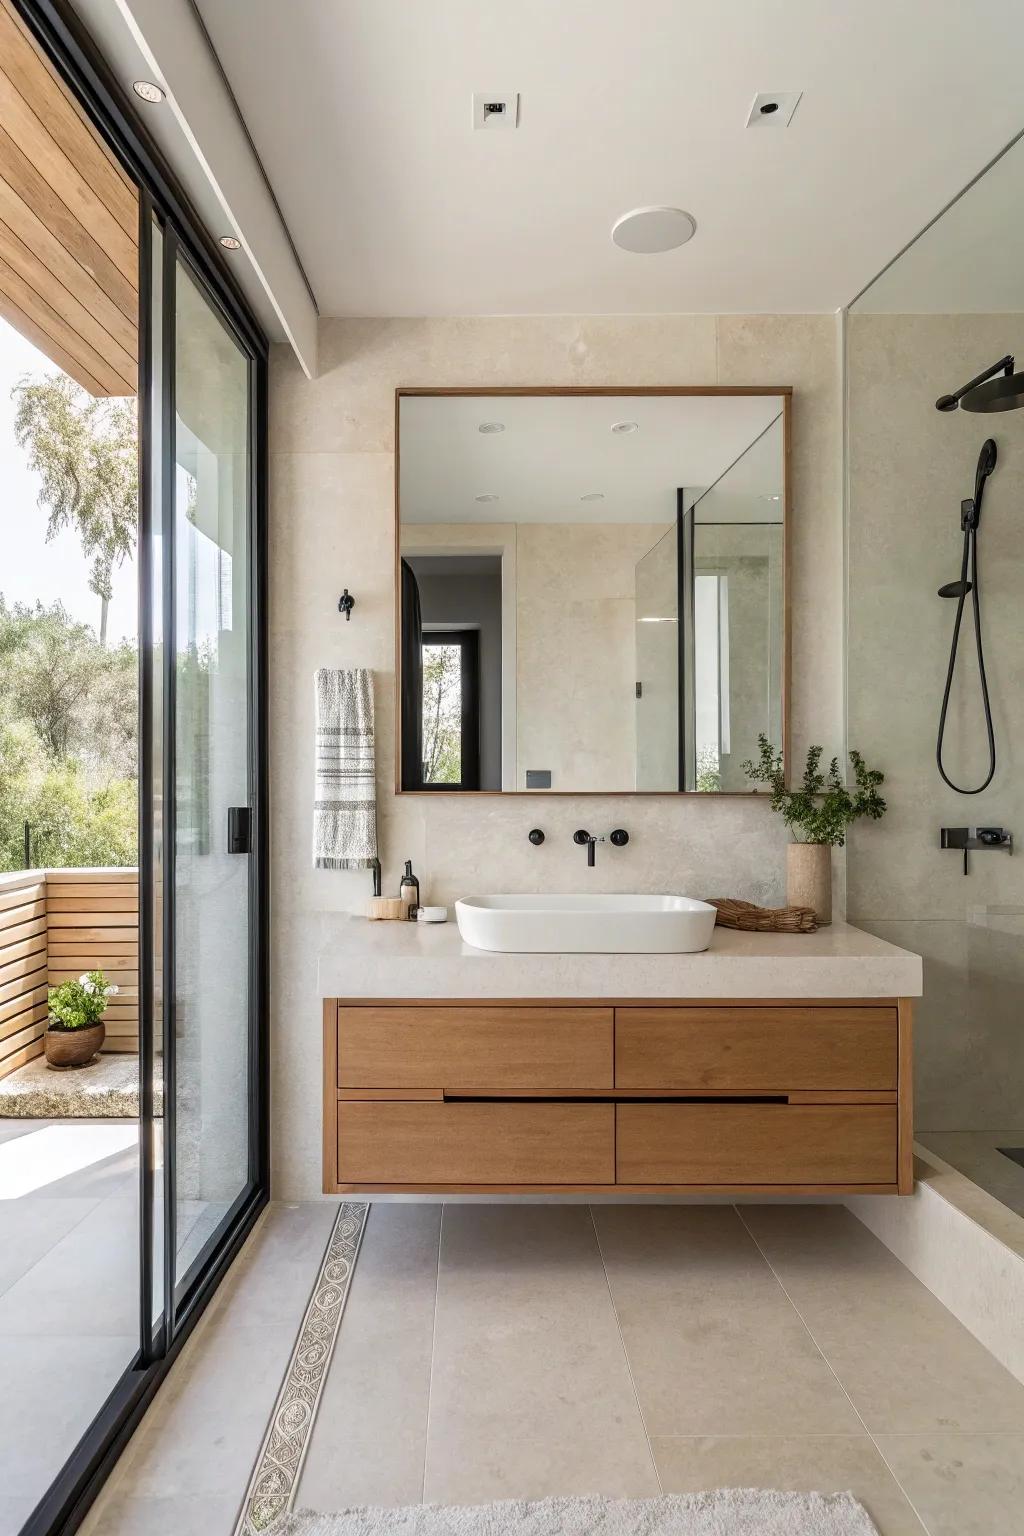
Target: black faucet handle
[
  {"x": 582, "y": 837},
  {"x": 536, "y": 837},
  {"x": 619, "y": 838}
]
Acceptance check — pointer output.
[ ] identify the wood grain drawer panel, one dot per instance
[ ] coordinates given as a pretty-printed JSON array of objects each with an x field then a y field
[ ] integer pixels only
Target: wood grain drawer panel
[
  {"x": 435, "y": 1143},
  {"x": 755, "y": 1050},
  {"x": 755, "y": 1144},
  {"x": 478, "y": 1048}
]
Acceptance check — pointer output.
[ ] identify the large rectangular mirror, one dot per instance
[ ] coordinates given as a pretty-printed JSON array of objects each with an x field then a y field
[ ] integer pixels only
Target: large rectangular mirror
[{"x": 591, "y": 588}]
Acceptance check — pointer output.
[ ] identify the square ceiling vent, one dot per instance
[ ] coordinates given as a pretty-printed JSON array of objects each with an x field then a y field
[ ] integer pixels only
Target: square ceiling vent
[
  {"x": 773, "y": 109},
  {"x": 495, "y": 111}
]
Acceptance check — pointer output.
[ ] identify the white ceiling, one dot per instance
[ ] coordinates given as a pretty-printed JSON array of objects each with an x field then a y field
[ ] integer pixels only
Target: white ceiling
[
  {"x": 557, "y": 448},
  {"x": 360, "y": 110},
  {"x": 971, "y": 260}
]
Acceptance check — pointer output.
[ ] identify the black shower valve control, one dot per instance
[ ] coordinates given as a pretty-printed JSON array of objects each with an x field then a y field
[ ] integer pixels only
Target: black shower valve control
[{"x": 968, "y": 840}]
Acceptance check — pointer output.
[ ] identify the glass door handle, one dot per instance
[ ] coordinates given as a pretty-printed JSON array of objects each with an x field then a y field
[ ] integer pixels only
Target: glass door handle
[{"x": 239, "y": 829}]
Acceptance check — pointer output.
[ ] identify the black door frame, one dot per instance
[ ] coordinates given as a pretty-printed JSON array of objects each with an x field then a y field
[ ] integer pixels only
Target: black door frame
[
  {"x": 468, "y": 642},
  {"x": 66, "y": 43}
]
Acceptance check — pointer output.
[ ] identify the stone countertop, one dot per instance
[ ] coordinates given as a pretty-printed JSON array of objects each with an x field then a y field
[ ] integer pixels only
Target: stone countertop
[{"x": 360, "y": 959}]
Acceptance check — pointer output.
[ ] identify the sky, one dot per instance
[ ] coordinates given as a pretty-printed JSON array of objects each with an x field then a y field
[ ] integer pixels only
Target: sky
[{"x": 30, "y": 568}]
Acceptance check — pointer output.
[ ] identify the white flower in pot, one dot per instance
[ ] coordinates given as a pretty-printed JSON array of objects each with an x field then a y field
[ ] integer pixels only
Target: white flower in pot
[{"x": 76, "y": 1030}]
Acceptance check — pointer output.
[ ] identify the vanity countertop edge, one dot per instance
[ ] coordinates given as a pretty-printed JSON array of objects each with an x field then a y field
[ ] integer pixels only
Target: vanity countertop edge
[{"x": 360, "y": 959}]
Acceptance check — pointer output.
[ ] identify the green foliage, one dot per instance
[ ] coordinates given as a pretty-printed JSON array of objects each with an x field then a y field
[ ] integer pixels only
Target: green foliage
[
  {"x": 823, "y": 807},
  {"x": 709, "y": 772},
  {"x": 68, "y": 722},
  {"x": 442, "y": 714},
  {"x": 85, "y": 452},
  {"x": 78, "y": 1004}
]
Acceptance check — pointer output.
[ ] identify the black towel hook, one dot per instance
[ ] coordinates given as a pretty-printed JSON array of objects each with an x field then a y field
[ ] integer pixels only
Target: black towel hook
[{"x": 346, "y": 602}]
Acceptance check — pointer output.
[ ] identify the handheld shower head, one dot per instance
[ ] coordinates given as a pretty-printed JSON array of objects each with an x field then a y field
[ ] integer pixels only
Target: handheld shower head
[{"x": 946, "y": 403}]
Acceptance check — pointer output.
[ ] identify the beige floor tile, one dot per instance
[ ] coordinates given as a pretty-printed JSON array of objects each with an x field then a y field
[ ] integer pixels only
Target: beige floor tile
[
  {"x": 800, "y": 1464},
  {"x": 961, "y": 1484},
  {"x": 714, "y": 1346},
  {"x": 527, "y": 1354},
  {"x": 271, "y": 1282},
  {"x": 906, "y": 1362},
  {"x": 122, "y": 1516},
  {"x": 14, "y": 1512},
  {"x": 210, "y": 1456},
  {"x": 369, "y": 1438}
]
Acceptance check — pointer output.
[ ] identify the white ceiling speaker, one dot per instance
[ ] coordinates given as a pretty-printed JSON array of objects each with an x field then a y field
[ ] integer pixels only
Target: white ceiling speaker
[{"x": 646, "y": 231}]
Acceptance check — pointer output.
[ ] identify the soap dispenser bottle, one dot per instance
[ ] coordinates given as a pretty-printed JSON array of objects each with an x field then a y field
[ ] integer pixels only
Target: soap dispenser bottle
[{"x": 409, "y": 890}]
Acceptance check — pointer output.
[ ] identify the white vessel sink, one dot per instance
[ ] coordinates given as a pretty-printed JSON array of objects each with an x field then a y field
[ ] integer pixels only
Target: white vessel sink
[{"x": 603, "y": 925}]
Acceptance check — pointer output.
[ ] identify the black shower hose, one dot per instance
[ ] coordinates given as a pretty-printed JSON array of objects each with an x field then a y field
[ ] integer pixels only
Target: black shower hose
[{"x": 968, "y": 576}]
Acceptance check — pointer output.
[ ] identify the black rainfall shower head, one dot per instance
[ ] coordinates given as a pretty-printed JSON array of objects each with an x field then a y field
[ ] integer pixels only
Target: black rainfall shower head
[
  {"x": 988, "y": 393},
  {"x": 1003, "y": 394}
]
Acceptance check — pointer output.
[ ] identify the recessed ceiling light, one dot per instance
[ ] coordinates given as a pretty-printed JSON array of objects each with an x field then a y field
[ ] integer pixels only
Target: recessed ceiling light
[
  {"x": 147, "y": 91},
  {"x": 491, "y": 426},
  {"x": 773, "y": 109},
  {"x": 646, "y": 231},
  {"x": 593, "y": 496},
  {"x": 488, "y": 497},
  {"x": 625, "y": 426},
  {"x": 230, "y": 243},
  {"x": 659, "y": 620}
]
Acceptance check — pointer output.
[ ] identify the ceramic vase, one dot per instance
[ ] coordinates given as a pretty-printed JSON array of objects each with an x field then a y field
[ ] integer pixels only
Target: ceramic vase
[
  {"x": 809, "y": 878},
  {"x": 73, "y": 1047}
]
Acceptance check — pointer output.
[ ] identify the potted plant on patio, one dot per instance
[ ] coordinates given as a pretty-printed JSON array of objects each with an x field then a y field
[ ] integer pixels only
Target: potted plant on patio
[
  {"x": 76, "y": 1029},
  {"x": 818, "y": 814}
]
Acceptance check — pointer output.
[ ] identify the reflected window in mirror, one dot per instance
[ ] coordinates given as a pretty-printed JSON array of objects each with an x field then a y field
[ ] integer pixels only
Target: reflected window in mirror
[{"x": 592, "y": 589}]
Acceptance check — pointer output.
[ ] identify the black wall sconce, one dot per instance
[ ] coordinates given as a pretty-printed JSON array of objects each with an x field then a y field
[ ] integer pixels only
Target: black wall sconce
[{"x": 346, "y": 602}]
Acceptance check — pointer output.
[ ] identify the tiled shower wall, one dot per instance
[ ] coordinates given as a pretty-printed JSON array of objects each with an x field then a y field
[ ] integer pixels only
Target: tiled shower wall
[
  {"x": 909, "y": 468},
  {"x": 332, "y": 525}
]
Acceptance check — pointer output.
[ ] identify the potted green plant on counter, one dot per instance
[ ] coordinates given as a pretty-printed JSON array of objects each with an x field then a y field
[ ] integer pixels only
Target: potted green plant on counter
[
  {"x": 818, "y": 814},
  {"x": 76, "y": 1029}
]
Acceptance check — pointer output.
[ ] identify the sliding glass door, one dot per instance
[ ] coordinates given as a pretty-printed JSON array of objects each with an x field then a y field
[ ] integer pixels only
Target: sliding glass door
[{"x": 204, "y": 872}]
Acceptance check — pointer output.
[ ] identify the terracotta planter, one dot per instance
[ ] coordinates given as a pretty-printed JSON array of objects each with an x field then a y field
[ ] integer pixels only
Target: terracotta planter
[
  {"x": 73, "y": 1047},
  {"x": 809, "y": 878}
]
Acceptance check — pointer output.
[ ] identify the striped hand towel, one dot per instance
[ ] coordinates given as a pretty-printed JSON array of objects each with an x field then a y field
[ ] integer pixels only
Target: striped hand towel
[{"x": 345, "y": 791}]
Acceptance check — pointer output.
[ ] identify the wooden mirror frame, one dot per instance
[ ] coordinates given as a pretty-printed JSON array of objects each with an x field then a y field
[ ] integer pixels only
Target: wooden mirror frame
[{"x": 785, "y": 395}]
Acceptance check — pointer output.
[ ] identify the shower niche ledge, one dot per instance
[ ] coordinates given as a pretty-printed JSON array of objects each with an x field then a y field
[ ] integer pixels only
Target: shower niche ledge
[{"x": 768, "y": 1064}]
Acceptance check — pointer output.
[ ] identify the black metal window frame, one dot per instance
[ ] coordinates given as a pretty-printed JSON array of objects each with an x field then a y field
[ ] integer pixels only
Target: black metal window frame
[
  {"x": 468, "y": 643},
  {"x": 68, "y": 46}
]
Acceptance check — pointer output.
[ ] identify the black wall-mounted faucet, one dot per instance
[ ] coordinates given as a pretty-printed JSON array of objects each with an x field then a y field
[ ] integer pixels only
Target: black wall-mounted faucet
[{"x": 619, "y": 838}]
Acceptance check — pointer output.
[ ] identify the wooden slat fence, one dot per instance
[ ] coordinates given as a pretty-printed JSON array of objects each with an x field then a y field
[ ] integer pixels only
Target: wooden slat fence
[{"x": 55, "y": 924}]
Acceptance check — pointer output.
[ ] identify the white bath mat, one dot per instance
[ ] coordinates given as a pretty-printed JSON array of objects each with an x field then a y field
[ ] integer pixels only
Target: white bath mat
[{"x": 725, "y": 1512}]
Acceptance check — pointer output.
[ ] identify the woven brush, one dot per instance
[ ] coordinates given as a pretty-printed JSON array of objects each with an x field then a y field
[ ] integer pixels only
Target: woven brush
[{"x": 753, "y": 919}]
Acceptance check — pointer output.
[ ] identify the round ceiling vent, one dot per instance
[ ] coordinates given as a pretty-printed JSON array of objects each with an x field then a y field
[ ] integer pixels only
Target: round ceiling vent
[{"x": 647, "y": 231}]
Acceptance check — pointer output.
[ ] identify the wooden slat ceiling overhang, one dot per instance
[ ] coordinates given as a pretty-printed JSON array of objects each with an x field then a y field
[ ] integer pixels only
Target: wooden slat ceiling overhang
[{"x": 68, "y": 225}]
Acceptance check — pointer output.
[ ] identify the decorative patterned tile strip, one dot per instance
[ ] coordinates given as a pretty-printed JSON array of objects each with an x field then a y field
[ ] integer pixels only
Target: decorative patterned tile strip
[{"x": 276, "y": 1473}]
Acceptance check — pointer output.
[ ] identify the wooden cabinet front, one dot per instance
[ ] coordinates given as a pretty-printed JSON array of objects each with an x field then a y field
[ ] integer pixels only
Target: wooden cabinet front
[
  {"x": 757, "y": 1144},
  {"x": 762, "y": 1049},
  {"x": 770, "y": 1096},
  {"x": 469, "y": 1144},
  {"x": 475, "y": 1048}
]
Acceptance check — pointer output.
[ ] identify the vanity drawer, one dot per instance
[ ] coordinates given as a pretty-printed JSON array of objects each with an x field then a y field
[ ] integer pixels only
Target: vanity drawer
[
  {"x": 480, "y": 1049},
  {"x": 436, "y": 1143},
  {"x": 756, "y": 1144},
  {"x": 755, "y": 1049}
]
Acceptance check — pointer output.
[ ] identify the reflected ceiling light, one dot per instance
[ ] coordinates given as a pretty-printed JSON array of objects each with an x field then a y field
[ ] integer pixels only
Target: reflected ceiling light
[
  {"x": 668, "y": 619},
  {"x": 648, "y": 231},
  {"x": 771, "y": 498},
  {"x": 230, "y": 243},
  {"x": 593, "y": 496},
  {"x": 488, "y": 497},
  {"x": 491, "y": 426},
  {"x": 147, "y": 91},
  {"x": 625, "y": 426}
]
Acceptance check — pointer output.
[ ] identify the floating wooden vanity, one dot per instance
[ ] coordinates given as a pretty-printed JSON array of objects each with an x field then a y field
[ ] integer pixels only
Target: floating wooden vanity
[{"x": 641, "y": 1094}]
